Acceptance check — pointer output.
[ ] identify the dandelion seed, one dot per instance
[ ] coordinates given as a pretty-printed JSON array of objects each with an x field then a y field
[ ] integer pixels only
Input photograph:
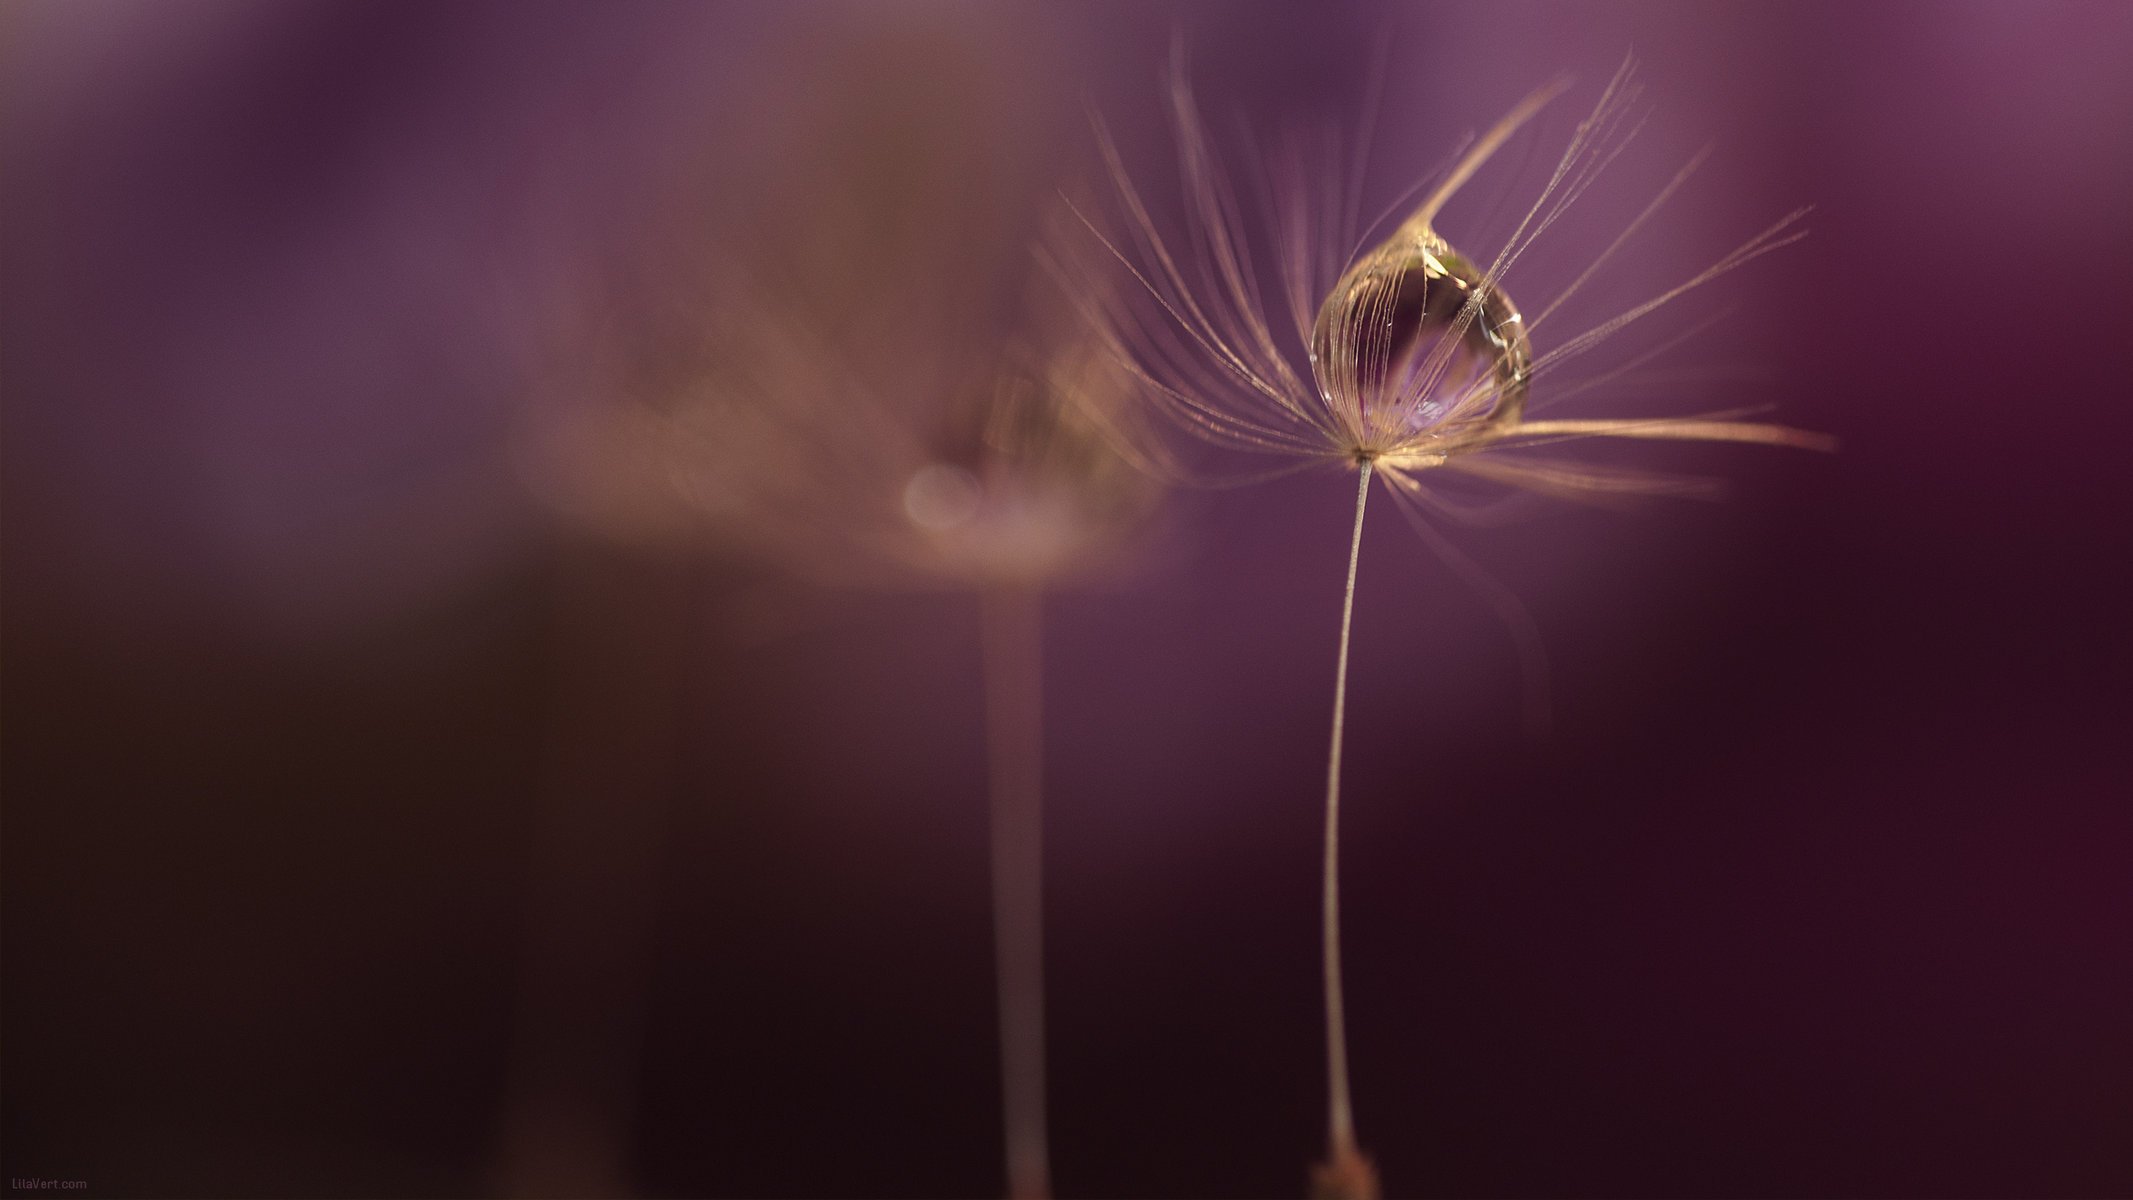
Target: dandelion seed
[
  {"x": 1009, "y": 487},
  {"x": 878, "y": 387},
  {"x": 1399, "y": 361},
  {"x": 861, "y": 377}
]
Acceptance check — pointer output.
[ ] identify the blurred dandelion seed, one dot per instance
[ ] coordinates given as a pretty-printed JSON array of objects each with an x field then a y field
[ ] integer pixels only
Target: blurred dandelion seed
[
  {"x": 1011, "y": 488},
  {"x": 991, "y": 475},
  {"x": 877, "y": 386},
  {"x": 1399, "y": 360}
]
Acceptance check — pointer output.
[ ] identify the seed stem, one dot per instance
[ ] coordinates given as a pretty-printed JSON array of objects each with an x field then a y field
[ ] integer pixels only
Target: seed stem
[
  {"x": 1011, "y": 618},
  {"x": 1339, "y": 1107}
]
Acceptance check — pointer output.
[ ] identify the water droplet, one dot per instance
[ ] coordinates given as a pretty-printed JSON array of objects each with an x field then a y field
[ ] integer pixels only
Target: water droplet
[
  {"x": 941, "y": 496},
  {"x": 1403, "y": 336}
]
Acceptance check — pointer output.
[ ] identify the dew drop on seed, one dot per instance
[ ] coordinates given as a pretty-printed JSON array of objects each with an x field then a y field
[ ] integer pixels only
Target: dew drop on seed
[
  {"x": 1401, "y": 331},
  {"x": 941, "y": 496}
]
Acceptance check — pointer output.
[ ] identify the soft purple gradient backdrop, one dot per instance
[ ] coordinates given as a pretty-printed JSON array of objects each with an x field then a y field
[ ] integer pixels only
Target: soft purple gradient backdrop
[{"x": 1823, "y": 886}]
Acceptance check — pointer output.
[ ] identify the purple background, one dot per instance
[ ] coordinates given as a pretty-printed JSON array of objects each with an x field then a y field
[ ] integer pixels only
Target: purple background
[{"x": 1822, "y": 886}]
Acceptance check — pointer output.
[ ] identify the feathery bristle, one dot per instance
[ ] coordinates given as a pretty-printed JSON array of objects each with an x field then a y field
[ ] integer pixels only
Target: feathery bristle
[{"x": 1412, "y": 355}]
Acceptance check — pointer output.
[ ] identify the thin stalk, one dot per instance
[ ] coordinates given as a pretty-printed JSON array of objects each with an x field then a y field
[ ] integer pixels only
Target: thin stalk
[
  {"x": 1346, "y": 1173},
  {"x": 597, "y": 825},
  {"x": 1012, "y": 632}
]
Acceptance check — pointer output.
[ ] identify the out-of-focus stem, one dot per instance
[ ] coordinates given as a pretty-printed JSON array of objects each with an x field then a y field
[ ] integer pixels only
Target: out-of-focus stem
[
  {"x": 1013, "y": 643},
  {"x": 598, "y": 821},
  {"x": 1346, "y": 1174}
]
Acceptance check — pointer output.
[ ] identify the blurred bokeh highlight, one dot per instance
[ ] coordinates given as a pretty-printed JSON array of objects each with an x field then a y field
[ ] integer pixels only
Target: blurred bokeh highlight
[{"x": 418, "y": 781}]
